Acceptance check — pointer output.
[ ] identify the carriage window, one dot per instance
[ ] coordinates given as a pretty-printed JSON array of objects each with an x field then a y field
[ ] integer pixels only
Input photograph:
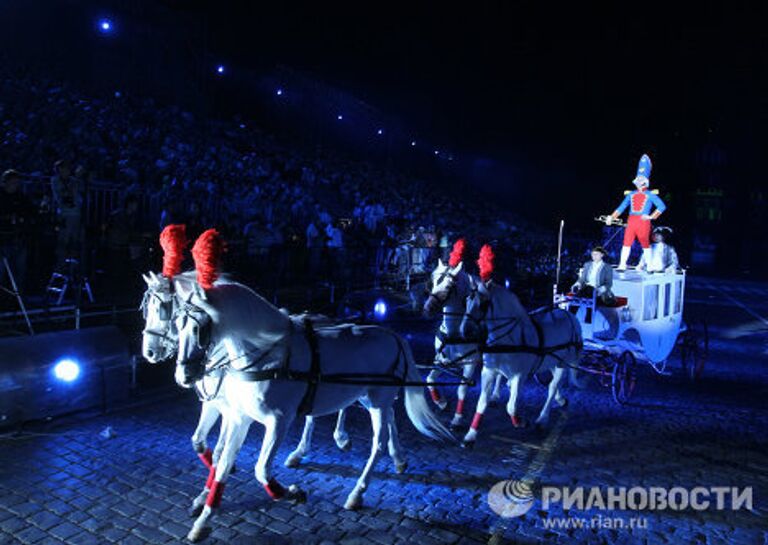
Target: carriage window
[
  {"x": 678, "y": 295},
  {"x": 651, "y": 302},
  {"x": 667, "y": 297}
]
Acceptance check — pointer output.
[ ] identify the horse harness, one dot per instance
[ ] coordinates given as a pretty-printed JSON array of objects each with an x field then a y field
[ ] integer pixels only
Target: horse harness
[
  {"x": 541, "y": 351},
  {"x": 313, "y": 377}
]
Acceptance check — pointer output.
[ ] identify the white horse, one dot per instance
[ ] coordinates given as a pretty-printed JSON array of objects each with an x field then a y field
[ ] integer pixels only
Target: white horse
[
  {"x": 518, "y": 345},
  {"x": 160, "y": 342},
  {"x": 275, "y": 369},
  {"x": 450, "y": 288}
]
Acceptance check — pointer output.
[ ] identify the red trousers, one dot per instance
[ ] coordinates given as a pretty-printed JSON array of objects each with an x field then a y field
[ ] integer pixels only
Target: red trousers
[{"x": 638, "y": 228}]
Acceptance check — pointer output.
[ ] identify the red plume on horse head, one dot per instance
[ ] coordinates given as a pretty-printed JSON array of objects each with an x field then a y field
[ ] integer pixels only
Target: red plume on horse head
[
  {"x": 173, "y": 240},
  {"x": 485, "y": 262},
  {"x": 207, "y": 252},
  {"x": 457, "y": 254}
]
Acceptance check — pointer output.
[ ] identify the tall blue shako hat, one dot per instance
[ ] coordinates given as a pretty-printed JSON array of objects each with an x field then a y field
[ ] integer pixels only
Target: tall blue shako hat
[{"x": 643, "y": 172}]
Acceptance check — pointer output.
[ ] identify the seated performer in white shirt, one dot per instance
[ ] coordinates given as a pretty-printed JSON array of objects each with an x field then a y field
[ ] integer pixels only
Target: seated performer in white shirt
[
  {"x": 596, "y": 276},
  {"x": 663, "y": 257}
]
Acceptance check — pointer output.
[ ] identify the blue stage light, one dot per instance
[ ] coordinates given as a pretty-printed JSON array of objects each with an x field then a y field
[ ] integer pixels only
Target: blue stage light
[
  {"x": 339, "y": 117},
  {"x": 105, "y": 26},
  {"x": 380, "y": 132},
  {"x": 66, "y": 370},
  {"x": 413, "y": 142},
  {"x": 220, "y": 69},
  {"x": 380, "y": 309},
  {"x": 437, "y": 152},
  {"x": 506, "y": 283},
  {"x": 279, "y": 92}
]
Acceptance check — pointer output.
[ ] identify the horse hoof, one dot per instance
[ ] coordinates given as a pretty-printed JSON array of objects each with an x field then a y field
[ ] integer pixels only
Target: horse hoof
[
  {"x": 401, "y": 467},
  {"x": 469, "y": 445},
  {"x": 563, "y": 402},
  {"x": 456, "y": 426},
  {"x": 197, "y": 534},
  {"x": 292, "y": 461},
  {"x": 296, "y": 495},
  {"x": 344, "y": 446},
  {"x": 354, "y": 502},
  {"x": 519, "y": 422},
  {"x": 195, "y": 510}
]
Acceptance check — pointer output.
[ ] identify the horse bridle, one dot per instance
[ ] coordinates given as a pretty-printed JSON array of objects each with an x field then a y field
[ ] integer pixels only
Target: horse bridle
[
  {"x": 440, "y": 301},
  {"x": 167, "y": 310},
  {"x": 203, "y": 323},
  {"x": 485, "y": 306}
]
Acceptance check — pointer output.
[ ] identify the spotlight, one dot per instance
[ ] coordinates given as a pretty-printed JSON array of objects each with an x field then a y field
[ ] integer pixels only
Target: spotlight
[
  {"x": 380, "y": 309},
  {"x": 506, "y": 283},
  {"x": 105, "y": 26},
  {"x": 413, "y": 142},
  {"x": 220, "y": 69},
  {"x": 437, "y": 152},
  {"x": 279, "y": 92},
  {"x": 380, "y": 132},
  {"x": 339, "y": 117},
  {"x": 66, "y": 370}
]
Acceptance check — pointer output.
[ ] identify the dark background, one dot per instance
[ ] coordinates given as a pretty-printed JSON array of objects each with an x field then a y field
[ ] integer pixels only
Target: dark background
[{"x": 544, "y": 106}]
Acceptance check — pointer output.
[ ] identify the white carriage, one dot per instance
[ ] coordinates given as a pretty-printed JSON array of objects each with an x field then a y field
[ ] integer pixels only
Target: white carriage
[{"x": 645, "y": 323}]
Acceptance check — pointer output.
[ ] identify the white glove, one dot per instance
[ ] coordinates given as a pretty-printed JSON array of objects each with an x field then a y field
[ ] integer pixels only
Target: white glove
[
  {"x": 646, "y": 217},
  {"x": 608, "y": 220}
]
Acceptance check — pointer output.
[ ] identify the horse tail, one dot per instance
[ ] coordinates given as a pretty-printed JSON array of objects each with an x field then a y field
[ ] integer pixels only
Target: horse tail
[{"x": 422, "y": 418}]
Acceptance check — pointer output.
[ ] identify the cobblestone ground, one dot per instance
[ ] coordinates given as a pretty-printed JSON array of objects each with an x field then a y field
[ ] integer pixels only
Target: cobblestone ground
[{"x": 74, "y": 486}]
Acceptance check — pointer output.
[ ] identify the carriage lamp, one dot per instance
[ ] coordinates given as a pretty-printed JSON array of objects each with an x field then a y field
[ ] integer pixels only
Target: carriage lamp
[
  {"x": 380, "y": 309},
  {"x": 66, "y": 370}
]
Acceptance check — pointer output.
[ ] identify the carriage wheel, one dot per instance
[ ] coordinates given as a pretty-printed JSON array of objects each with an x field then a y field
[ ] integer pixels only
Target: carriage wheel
[
  {"x": 624, "y": 377},
  {"x": 694, "y": 348}
]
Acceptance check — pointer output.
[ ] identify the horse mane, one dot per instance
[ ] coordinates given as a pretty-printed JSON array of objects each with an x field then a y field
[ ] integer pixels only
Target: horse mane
[
  {"x": 457, "y": 254},
  {"x": 207, "y": 253},
  {"x": 173, "y": 240},
  {"x": 485, "y": 262}
]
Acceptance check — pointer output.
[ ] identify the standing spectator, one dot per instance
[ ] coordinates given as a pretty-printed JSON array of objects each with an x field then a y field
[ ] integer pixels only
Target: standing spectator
[{"x": 68, "y": 202}]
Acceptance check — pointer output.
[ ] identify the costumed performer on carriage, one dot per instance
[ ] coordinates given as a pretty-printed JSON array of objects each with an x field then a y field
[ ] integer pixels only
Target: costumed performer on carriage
[
  {"x": 663, "y": 255},
  {"x": 640, "y": 203}
]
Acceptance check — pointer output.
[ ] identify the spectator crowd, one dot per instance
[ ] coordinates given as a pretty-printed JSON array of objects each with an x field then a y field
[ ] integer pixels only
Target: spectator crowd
[{"x": 287, "y": 209}]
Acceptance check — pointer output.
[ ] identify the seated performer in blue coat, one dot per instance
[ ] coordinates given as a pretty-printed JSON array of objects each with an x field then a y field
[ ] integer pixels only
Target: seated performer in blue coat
[{"x": 596, "y": 276}]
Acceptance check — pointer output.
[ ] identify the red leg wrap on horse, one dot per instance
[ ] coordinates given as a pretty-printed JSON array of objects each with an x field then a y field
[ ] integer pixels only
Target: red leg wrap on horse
[
  {"x": 214, "y": 496},
  {"x": 434, "y": 392},
  {"x": 207, "y": 458},
  {"x": 516, "y": 422},
  {"x": 211, "y": 477},
  {"x": 476, "y": 421},
  {"x": 274, "y": 489},
  {"x": 460, "y": 407}
]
